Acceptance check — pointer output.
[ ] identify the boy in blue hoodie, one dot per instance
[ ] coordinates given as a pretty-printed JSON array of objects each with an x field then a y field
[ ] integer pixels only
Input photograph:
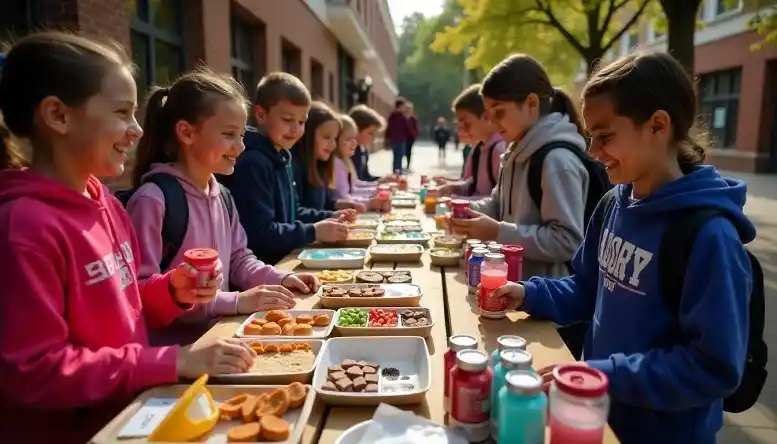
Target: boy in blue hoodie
[
  {"x": 669, "y": 369},
  {"x": 262, "y": 184}
]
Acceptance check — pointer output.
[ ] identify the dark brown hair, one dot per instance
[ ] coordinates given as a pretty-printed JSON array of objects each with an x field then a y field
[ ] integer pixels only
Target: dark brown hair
[
  {"x": 365, "y": 117},
  {"x": 278, "y": 86},
  {"x": 519, "y": 75},
  {"x": 320, "y": 174},
  {"x": 45, "y": 64},
  {"x": 470, "y": 101},
  {"x": 193, "y": 98},
  {"x": 642, "y": 83}
]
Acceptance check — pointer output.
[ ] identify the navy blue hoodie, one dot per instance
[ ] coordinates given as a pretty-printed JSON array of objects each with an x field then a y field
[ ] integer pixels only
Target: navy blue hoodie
[
  {"x": 309, "y": 196},
  {"x": 264, "y": 195},
  {"x": 668, "y": 372},
  {"x": 360, "y": 159}
]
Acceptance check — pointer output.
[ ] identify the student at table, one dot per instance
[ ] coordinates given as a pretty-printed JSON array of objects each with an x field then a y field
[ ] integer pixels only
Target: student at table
[
  {"x": 481, "y": 168},
  {"x": 73, "y": 312},
  {"x": 313, "y": 159},
  {"x": 669, "y": 367},
  {"x": 368, "y": 124},
  {"x": 262, "y": 184},
  {"x": 530, "y": 114},
  {"x": 194, "y": 130}
]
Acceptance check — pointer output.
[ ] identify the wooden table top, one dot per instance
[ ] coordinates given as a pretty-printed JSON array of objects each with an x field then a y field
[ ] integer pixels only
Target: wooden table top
[{"x": 445, "y": 294}]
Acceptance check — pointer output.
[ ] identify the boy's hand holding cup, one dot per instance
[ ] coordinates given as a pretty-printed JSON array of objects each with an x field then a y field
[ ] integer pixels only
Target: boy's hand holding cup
[{"x": 514, "y": 291}]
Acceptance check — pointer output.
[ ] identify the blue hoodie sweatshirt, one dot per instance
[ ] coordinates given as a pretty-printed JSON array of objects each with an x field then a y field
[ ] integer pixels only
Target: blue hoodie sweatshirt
[
  {"x": 668, "y": 373},
  {"x": 309, "y": 196},
  {"x": 264, "y": 196}
]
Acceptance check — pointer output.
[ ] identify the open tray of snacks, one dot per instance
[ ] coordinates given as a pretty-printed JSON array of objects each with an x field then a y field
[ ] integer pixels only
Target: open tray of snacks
[
  {"x": 447, "y": 241},
  {"x": 287, "y": 324},
  {"x": 278, "y": 361},
  {"x": 335, "y": 276},
  {"x": 366, "y": 223},
  {"x": 368, "y": 371},
  {"x": 402, "y": 226},
  {"x": 404, "y": 203},
  {"x": 323, "y": 258},
  {"x": 273, "y": 413},
  {"x": 401, "y": 215},
  {"x": 384, "y": 277},
  {"x": 389, "y": 321},
  {"x": 370, "y": 295},
  {"x": 445, "y": 257},
  {"x": 359, "y": 238},
  {"x": 417, "y": 237},
  {"x": 396, "y": 252}
]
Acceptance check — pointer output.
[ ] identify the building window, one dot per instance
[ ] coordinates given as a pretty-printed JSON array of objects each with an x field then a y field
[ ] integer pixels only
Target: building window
[
  {"x": 724, "y": 6},
  {"x": 345, "y": 71},
  {"x": 242, "y": 60},
  {"x": 157, "y": 45},
  {"x": 331, "y": 88},
  {"x": 316, "y": 80},
  {"x": 291, "y": 58},
  {"x": 719, "y": 98}
]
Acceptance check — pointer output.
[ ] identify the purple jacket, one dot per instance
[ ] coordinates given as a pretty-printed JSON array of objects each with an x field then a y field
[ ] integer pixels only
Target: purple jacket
[{"x": 398, "y": 127}]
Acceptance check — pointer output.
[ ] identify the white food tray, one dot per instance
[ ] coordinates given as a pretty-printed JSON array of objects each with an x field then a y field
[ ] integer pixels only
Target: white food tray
[
  {"x": 403, "y": 238},
  {"x": 396, "y": 252},
  {"x": 397, "y": 295},
  {"x": 404, "y": 203},
  {"x": 275, "y": 378},
  {"x": 326, "y": 261},
  {"x": 409, "y": 355},
  {"x": 318, "y": 332},
  {"x": 366, "y": 223},
  {"x": 400, "y": 330}
]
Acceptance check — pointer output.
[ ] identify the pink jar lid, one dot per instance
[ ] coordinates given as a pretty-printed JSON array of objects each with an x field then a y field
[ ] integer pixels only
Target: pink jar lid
[
  {"x": 201, "y": 256},
  {"x": 580, "y": 380},
  {"x": 512, "y": 249}
]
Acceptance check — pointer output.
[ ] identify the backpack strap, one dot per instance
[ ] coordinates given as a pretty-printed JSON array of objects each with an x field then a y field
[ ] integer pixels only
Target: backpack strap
[
  {"x": 534, "y": 177},
  {"x": 176, "y": 218},
  {"x": 490, "y": 156},
  {"x": 475, "y": 155},
  {"x": 602, "y": 208},
  {"x": 226, "y": 199}
]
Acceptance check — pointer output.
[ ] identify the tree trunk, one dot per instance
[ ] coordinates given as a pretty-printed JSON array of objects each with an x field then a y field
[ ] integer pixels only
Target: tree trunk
[{"x": 681, "y": 21}]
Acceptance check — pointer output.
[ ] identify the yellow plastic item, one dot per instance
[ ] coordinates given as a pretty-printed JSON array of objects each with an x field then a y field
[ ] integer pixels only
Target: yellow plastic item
[{"x": 194, "y": 415}]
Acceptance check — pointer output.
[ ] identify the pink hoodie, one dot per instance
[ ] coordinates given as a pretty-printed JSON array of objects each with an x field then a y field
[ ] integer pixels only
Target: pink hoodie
[
  {"x": 209, "y": 227},
  {"x": 484, "y": 187},
  {"x": 73, "y": 314},
  {"x": 348, "y": 186}
]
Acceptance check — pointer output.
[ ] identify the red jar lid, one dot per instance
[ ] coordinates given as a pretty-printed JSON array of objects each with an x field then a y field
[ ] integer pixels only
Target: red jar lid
[
  {"x": 460, "y": 203},
  {"x": 580, "y": 380},
  {"x": 512, "y": 249},
  {"x": 201, "y": 256}
]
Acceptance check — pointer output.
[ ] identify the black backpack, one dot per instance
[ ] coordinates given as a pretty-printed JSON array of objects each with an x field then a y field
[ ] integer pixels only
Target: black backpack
[
  {"x": 476, "y": 165},
  {"x": 598, "y": 182},
  {"x": 176, "y": 218},
  {"x": 674, "y": 254}
]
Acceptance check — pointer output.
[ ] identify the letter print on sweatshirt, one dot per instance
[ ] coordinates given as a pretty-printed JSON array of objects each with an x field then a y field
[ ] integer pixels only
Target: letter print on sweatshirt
[{"x": 622, "y": 262}]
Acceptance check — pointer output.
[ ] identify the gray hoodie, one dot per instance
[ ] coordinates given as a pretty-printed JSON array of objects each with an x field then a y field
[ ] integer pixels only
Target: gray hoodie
[{"x": 550, "y": 235}]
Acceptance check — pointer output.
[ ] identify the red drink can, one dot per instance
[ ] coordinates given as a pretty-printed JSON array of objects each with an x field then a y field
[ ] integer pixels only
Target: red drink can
[
  {"x": 471, "y": 394},
  {"x": 514, "y": 258},
  {"x": 456, "y": 343},
  {"x": 493, "y": 275},
  {"x": 204, "y": 261},
  {"x": 460, "y": 207}
]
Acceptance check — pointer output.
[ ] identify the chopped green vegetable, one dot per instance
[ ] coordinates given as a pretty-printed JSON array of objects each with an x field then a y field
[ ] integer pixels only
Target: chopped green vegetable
[{"x": 352, "y": 317}]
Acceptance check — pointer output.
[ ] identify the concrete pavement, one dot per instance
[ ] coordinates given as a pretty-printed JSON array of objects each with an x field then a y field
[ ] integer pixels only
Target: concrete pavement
[{"x": 759, "y": 424}]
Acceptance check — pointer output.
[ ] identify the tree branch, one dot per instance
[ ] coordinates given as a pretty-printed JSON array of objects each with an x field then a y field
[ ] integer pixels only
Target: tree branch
[
  {"x": 553, "y": 21},
  {"x": 610, "y": 13},
  {"x": 626, "y": 27}
]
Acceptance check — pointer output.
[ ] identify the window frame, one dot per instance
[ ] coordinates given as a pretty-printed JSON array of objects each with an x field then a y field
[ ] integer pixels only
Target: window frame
[
  {"x": 710, "y": 100},
  {"x": 152, "y": 33},
  {"x": 241, "y": 67}
]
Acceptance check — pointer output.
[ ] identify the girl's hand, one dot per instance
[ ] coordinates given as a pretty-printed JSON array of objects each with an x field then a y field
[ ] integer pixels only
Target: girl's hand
[
  {"x": 445, "y": 190},
  {"x": 265, "y": 298},
  {"x": 330, "y": 231},
  {"x": 348, "y": 215},
  {"x": 547, "y": 375},
  {"x": 514, "y": 291},
  {"x": 304, "y": 282},
  {"x": 222, "y": 355},
  {"x": 183, "y": 285},
  {"x": 440, "y": 180},
  {"x": 478, "y": 226}
]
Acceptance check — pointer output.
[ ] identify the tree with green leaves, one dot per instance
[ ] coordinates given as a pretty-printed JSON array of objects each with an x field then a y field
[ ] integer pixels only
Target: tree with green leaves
[
  {"x": 429, "y": 79},
  {"x": 557, "y": 32},
  {"x": 765, "y": 22}
]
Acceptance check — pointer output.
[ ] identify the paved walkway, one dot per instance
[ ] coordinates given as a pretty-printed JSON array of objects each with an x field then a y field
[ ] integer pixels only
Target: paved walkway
[{"x": 759, "y": 424}]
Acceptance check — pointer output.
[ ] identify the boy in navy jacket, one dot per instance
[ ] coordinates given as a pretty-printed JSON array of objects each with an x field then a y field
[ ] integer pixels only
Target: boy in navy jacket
[{"x": 262, "y": 184}]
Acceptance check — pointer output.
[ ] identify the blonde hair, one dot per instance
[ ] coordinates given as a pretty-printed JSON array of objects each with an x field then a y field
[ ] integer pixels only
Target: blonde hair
[{"x": 346, "y": 123}]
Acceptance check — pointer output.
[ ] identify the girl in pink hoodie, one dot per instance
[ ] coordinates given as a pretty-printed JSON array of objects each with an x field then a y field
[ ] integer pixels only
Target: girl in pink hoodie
[
  {"x": 73, "y": 311},
  {"x": 194, "y": 129}
]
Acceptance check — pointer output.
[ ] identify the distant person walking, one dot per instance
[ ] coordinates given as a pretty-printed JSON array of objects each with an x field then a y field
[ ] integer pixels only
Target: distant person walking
[
  {"x": 398, "y": 132},
  {"x": 441, "y": 135},
  {"x": 413, "y": 121}
]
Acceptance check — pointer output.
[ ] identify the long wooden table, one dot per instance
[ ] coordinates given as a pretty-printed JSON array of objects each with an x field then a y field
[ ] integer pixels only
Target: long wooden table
[{"x": 445, "y": 294}]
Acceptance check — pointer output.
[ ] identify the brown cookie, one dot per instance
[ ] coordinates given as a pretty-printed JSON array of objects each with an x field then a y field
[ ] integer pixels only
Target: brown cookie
[
  {"x": 329, "y": 386},
  {"x": 354, "y": 372},
  {"x": 369, "y": 277},
  {"x": 359, "y": 384},
  {"x": 400, "y": 279},
  {"x": 336, "y": 376}
]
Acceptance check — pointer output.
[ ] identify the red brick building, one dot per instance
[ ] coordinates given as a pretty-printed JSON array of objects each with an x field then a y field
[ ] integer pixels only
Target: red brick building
[
  {"x": 737, "y": 84},
  {"x": 332, "y": 45}
]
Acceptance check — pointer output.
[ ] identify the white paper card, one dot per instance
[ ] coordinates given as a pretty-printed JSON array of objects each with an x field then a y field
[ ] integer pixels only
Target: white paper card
[
  {"x": 147, "y": 418},
  {"x": 391, "y": 425}
]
